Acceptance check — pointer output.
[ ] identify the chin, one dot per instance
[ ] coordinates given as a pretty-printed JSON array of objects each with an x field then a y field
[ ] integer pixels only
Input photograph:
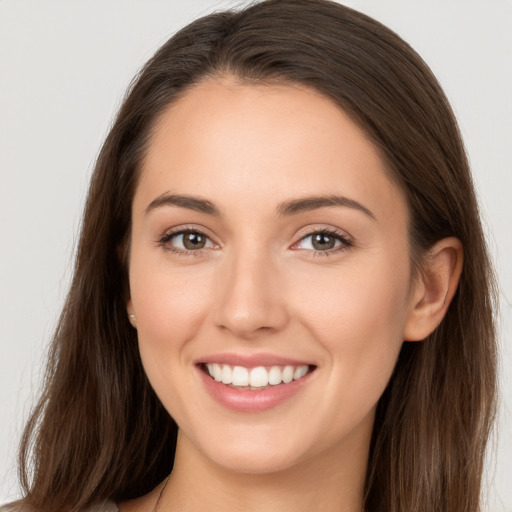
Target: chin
[
  {"x": 258, "y": 461},
  {"x": 253, "y": 453}
]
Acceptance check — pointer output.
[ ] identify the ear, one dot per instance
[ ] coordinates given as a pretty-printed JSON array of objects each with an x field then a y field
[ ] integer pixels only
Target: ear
[{"x": 434, "y": 288}]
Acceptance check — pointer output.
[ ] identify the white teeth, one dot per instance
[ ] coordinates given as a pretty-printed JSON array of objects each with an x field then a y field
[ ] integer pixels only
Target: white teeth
[
  {"x": 288, "y": 374},
  {"x": 227, "y": 374},
  {"x": 275, "y": 375},
  {"x": 258, "y": 377},
  {"x": 240, "y": 376},
  {"x": 217, "y": 372},
  {"x": 299, "y": 372}
]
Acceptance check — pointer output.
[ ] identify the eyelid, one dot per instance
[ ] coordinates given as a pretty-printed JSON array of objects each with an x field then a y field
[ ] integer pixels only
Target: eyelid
[
  {"x": 169, "y": 233},
  {"x": 346, "y": 240}
]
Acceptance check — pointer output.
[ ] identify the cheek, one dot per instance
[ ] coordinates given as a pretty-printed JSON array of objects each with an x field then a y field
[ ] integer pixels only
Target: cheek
[
  {"x": 358, "y": 315},
  {"x": 358, "y": 297},
  {"x": 170, "y": 306}
]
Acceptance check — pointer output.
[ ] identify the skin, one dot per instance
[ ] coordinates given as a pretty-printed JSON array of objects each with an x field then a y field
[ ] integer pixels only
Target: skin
[{"x": 260, "y": 286}]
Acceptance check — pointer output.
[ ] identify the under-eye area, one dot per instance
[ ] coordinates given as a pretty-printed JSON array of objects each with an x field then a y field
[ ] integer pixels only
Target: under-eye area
[{"x": 255, "y": 378}]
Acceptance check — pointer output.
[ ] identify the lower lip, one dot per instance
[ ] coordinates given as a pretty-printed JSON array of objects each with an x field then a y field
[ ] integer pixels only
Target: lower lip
[{"x": 244, "y": 400}]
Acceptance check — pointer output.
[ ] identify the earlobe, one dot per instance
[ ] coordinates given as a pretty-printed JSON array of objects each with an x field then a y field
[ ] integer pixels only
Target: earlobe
[
  {"x": 436, "y": 285},
  {"x": 131, "y": 315}
]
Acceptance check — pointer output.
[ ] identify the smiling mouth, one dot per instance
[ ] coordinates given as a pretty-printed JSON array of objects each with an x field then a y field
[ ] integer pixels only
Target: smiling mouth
[{"x": 257, "y": 378}]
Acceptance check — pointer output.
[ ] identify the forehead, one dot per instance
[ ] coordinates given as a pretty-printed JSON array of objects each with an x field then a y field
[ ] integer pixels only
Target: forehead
[{"x": 270, "y": 142}]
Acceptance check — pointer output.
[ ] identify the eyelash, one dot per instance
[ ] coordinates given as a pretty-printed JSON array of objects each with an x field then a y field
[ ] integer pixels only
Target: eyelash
[
  {"x": 345, "y": 244},
  {"x": 164, "y": 241},
  {"x": 345, "y": 241}
]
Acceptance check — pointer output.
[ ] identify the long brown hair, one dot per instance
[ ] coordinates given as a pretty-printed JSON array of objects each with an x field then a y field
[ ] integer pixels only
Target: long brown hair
[{"x": 99, "y": 431}]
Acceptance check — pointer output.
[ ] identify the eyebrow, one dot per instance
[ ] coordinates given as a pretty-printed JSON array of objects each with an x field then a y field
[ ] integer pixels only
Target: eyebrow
[
  {"x": 183, "y": 201},
  {"x": 312, "y": 203},
  {"x": 284, "y": 209}
]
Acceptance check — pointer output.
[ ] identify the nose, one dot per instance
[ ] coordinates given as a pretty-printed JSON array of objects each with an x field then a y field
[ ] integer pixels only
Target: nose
[{"x": 252, "y": 299}]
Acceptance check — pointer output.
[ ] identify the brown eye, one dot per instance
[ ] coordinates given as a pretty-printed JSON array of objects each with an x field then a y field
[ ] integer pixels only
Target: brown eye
[
  {"x": 187, "y": 241},
  {"x": 323, "y": 242},
  {"x": 326, "y": 242},
  {"x": 193, "y": 241}
]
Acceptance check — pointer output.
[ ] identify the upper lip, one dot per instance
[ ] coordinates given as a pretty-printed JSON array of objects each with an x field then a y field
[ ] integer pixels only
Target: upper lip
[{"x": 251, "y": 360}]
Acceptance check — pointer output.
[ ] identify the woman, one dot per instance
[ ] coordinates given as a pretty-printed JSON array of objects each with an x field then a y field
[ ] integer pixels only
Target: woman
[{"x": 272, "y": 215}]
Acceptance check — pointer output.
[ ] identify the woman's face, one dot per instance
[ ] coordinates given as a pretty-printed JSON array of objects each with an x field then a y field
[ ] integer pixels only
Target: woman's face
[{"x": 268, "y": 243}]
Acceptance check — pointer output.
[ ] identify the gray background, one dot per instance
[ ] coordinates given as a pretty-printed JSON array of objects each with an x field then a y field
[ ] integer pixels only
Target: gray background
[{"x": 64, "y": 67}]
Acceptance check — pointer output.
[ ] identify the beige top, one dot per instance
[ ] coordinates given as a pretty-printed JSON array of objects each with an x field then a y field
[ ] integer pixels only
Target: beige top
[{"x": 106, "y": 506}]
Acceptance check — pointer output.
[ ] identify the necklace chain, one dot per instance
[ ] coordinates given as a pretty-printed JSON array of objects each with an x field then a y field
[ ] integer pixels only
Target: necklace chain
[{"x": 161, "y": 494}]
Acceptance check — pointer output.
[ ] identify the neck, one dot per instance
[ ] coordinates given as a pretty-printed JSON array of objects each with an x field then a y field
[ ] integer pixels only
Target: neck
[{"x": 331, "y": 482}]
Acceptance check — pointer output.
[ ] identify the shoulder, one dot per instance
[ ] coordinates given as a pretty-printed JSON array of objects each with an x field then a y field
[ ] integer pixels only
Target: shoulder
[
  {"x": 16, "y": 506},
  {"x": 105, "y": 506}
]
